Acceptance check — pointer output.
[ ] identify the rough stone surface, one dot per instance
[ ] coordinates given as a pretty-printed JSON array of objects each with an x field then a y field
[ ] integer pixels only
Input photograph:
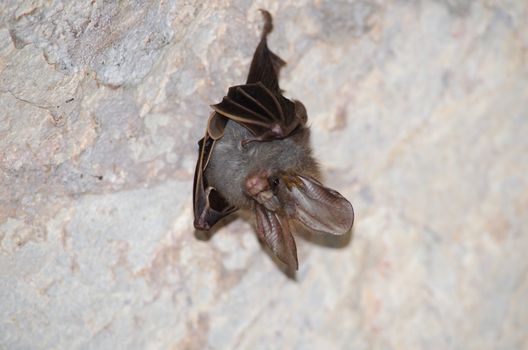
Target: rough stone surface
[{"x": 419, "y": 113}]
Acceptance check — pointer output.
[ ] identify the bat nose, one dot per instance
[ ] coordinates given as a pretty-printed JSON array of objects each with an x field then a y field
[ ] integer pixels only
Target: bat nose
[{"x": 256, "y": 183}]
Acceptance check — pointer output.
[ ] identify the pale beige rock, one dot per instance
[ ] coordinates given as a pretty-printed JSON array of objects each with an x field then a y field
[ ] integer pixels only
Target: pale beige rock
[{"x": 419, "y": 115}]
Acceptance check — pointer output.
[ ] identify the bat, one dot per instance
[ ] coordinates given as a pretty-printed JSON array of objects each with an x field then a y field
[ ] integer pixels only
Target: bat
[{"x": 256, "y": 155}]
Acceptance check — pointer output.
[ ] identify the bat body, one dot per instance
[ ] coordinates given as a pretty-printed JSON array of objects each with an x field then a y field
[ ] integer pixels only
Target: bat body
[
  {"x": 231, "y": 163},
  {"x": 256, "y": 155}
]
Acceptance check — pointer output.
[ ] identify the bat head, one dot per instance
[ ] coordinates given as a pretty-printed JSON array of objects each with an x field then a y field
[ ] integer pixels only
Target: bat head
[
  {"x": 302, "y": 198},
  {"x": 263, "y": 186}
]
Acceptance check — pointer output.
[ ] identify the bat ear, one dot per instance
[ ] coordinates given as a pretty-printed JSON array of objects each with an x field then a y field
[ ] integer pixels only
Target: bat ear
[
  {"x": 320, "y": 208},
  {"x": 275, "y": 231}
]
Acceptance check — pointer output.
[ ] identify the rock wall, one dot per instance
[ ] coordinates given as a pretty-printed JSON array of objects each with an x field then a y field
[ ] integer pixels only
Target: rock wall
[{"x": 419, "y": 115}]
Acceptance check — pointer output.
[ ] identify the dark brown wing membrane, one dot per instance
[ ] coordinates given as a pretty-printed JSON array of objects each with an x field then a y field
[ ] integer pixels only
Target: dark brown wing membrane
[
  {"x": 268, "y": 116},
  {"x": 209, "y": 205},
  {"x": 259, "y": 104},
  {"x": 266, "y": 65},
  {"x": 274, "y": 230}
]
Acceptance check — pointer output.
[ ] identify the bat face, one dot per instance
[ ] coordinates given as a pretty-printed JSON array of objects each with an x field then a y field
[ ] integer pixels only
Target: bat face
[{"x": 256, "y": 155}]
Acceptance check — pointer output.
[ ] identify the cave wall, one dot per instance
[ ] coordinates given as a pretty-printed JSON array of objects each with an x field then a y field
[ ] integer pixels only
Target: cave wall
[{"x": 419, "y": 115}]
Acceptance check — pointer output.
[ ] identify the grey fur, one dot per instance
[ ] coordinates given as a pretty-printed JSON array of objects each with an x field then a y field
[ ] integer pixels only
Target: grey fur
[{"x": 230, "y": 163}]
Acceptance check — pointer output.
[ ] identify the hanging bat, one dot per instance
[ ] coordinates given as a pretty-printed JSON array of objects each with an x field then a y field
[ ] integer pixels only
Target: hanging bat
[{"x": 256, "y": 155}]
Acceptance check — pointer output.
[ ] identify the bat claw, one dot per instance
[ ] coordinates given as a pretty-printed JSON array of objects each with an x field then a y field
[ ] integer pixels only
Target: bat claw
[
  {"x": 244, "y": 142},
  {"x": 276, "y": 132}
]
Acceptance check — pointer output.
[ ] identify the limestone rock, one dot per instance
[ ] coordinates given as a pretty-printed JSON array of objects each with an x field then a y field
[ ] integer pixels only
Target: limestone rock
[{"x": 419, "y": 116}]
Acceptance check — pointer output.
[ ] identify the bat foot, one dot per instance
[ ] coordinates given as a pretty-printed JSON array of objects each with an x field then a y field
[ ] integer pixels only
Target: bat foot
[
  {"x": 274, "y": 133},
  {"x": 245, "y": 142}
]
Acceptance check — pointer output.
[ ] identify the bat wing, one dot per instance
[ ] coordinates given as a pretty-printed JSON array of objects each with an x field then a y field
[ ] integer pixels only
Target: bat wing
[
  {"x": 274, "y": 230},
  {"x": 259, "y": 104},
  {"x": 208, "y": 204},
  {"x": 266, "y": 115},
  {"x": 265, "y": 66}
]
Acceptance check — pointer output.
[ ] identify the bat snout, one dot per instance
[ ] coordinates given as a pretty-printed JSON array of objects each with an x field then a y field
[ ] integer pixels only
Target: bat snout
[
  {"x": 259, "y": 187},
  {"x": 256, "y": 183}
]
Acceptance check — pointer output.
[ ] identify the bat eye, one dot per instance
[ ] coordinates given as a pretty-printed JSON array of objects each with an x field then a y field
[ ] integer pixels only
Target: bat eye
[{"x": 274, "y": 182}]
